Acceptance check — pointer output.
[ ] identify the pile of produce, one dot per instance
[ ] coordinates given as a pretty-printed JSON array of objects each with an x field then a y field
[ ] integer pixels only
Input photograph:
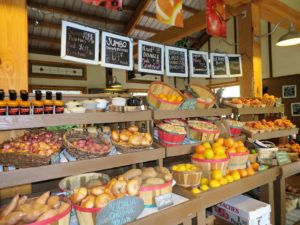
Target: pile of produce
[
  {"x": 131, "y": 137},
  {"x": 176, "y": 122},
  {"x": 90, "y": 145},
  {"x": 269, "y": 100},
  {"x": 24, "y": 211},
  {"x": 170, "y": 98},
  {"x": 44, "y": 143},
  {"x": 292, "y": 190},
  {"x": 172, "y": 128},
  {"x": 268, "y": 126},
  {"x": 293, "y": 147}
]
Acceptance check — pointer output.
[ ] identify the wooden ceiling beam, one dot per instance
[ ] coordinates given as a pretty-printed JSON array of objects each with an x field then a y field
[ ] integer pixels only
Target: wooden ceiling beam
[
  {"x": 44, "y": 39},
  {"x": 44, "y": 51},
  {"x": 68, "y": 12},
  {"x": 237, "y": 3},
  {"x": 135, "y": 18},
  {"x": 147, "y": 29},
  {"x": 150, "y": 15}
]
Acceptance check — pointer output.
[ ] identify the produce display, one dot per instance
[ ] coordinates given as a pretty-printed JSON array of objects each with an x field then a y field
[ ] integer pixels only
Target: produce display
[
  {"x": 171, "y": 134},
  {"x": 22, "y": 210},
  {"x": 90, "y": 145},
  {"x": 203, "y": 131},
  {"x": 293, "y": 147},
  {"x": 244, "y": 102},
  {"x": 268, "y": 126},
  {"x": 176, "y": 122},
  {"x": 269, "y": 100},
  {"x": 234, "y": 127},
  {"x": 170, "y": 98},
  {"x": 172, "y": 128},
  {"x": 186, "y": 175}
]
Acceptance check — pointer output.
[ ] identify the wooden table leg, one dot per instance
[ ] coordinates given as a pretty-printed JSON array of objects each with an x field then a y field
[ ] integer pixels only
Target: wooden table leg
[
  {"x": 267, "y": 196},
  {"x": 160, "y": 162},
  {"x": 279, "y": 192},
  {"x": 201, "y": 216}
]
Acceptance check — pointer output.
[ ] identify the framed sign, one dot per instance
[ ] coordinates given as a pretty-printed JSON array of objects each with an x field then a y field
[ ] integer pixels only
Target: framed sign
[
  {"x": 150, "y": 57},
  {"x": 295, "y": 109},
  {"x": 79, "y": 43},
  {"x": 289, "y": 91},
  {"x": 235, "y": 65},
  {"x": 116, "y": 51},
  {"x": 219, "y": 67},
  {"x": 199, "y": 65},
  {"x": 176, "y": 62}
]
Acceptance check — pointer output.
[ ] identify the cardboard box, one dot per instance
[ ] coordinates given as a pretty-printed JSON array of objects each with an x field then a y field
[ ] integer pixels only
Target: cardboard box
[{"x": 242, "y": 210}]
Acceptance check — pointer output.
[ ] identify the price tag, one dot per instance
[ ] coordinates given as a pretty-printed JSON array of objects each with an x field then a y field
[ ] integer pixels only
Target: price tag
[
  {"x": 164, "y": 201},
  {"x": 282, "y": 158}
]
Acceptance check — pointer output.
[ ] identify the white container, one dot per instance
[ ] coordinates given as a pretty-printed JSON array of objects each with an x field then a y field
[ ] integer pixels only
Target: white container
[
  {"x": 72, "y": 104},
  {"x": 89, "y": 104},
  {"x": 118, "y": 101},
  {"x": 77, "y": 109},
  {"x": 244, "y": 210},
  {"x": 101, "y": 103}
]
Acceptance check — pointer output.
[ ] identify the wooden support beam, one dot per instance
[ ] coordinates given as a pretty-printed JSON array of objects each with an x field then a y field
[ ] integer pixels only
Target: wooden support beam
[
  {"x": 66, "y": 12},
  {"x": 135, "y": 18},
  {"x": 204, "y": 37},
  {"x": 45, "y": 51},
  {"x": 44, "y": 39},
  {"x": 251, "y": 82},
  {"x": 150, "y": 15},
  {"x": 236, "y": 3},
  {"x": 147, "y": 29}
]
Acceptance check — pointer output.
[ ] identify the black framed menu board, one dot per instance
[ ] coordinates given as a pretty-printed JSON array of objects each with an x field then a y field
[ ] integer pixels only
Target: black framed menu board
[
  {"x": 235, "y": 65},
  {"x": 150, "y": 57},
  {"x": 79, "y": 43},
  {"x": 176, "y": 62},
  {"x": 219, "y": 65},
  {"x": 116, "y": 51},
  {"x": 199, "y": 65}
]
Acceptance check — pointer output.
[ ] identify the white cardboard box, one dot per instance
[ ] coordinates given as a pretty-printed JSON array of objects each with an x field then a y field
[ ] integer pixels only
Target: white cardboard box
[{"x": 242, "y": 210}]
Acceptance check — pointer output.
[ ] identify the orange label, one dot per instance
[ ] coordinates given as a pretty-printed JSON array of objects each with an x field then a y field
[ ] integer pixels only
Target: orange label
[
  {"x": 2, "y": 111},
  {"x": 59, "y": 109},
  {"x": 24, "y": 110},
  {"x": 38, "y": 110},
  {"x": 13, "y": 111},
  {"x": 48, "y": 109}
]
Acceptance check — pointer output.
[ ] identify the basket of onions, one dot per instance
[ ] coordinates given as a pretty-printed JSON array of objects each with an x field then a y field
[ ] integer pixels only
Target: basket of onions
[
  {"x": 85, "y": 145},
  {"x": 131, "y": 140}
]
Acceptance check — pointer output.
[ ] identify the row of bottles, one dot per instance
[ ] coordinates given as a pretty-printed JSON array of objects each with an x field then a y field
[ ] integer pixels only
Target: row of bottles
[{"x": 13, "y": 106}]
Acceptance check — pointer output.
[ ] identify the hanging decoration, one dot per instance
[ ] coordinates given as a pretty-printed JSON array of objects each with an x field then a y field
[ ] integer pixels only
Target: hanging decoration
[
  {"x": 110, "y": 4},
  {"x": 169, "y": 12},
  {"x": 216, "y": 18}
]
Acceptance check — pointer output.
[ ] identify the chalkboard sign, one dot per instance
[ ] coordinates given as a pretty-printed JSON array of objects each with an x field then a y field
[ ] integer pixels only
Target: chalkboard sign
[
  {"x": 120, "y": 211},
  {"x": 79, "y": 43},
  {"x": 176, "y": 62},
  {"x": 163, "y": 201},
  {"x": 116, "y": 51},
  {"x": 282, "y": 158},
  {"x": 151, "y": 57},
  {"x": 235, "y": 65},
  {"x": 199, "y": 65},
  {"x": 219, "y": 65}
]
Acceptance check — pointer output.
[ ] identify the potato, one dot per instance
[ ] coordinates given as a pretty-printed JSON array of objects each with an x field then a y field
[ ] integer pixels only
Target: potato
[
  {"x": 132, "y": 173},
  {"x": 154, "y": 181},
  {"x": 148, "y": 173}
]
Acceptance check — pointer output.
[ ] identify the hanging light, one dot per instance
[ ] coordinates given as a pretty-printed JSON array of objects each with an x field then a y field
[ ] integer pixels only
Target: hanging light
[
  {"x": 116, "y": 84},
  {"x": 292, "y": 37}
]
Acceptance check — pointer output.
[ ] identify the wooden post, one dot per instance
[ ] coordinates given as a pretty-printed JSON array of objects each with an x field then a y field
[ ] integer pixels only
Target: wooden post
[
  {"x": 13, "y": 45},
  {"x": 250, "y": 49}
]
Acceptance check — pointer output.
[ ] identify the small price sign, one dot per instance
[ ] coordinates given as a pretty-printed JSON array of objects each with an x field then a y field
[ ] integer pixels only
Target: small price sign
[
  {"x": 282, "y": 158},
  {"x": 163, "y": 201}
]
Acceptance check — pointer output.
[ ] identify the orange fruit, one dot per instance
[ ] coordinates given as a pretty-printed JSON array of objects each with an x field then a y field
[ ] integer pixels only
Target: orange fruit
[
  {"x": 241, "y": 149},
  {"x": 243, "y": 172},
  {"x": 199, "y": 149},
  {"x": 228, "y": 142},
  {"x": 240, "y": 143},
  {"x": 250, "y": 171},
  {"x": 231, "y": 150},
  {"x": 235, "y": 145},
  {"x": 220, "y": 140},
  {"x": 255, "y": 166}
]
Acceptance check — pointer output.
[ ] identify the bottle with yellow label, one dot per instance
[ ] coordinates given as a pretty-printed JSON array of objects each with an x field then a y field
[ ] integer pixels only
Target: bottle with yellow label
[
  {"x": 48, "y": 103},
  {"x": 2, "y": 103},
  {"x": 12, "y": 103},
  {"x": 38, "y": 104},
  {"x": 24, "y": 103},
  {"x": 59, "y": 104}
]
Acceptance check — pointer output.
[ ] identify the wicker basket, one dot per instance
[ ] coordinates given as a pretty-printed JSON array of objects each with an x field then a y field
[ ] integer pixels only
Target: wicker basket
[
  {"x": 127, "y": 148},
  {"x": 293, "y": 156},
  {"x": 68, "y": 184},
  {"x": 207, "y": 165},
  {"x": 187, "y": 178},
  {"x": 148, "y": 193},
  {"x": 86, "y": 215},
  {"x": 237, "y": 160},
  {"x": 157, "y": 88},
  {"x": 203, "y": 93},
  {"x": 78, "y": 153},
  {"x": 267, "y": 153},
  {"x": 203, "y": 134},
  {"x": 170, "y": 138}
]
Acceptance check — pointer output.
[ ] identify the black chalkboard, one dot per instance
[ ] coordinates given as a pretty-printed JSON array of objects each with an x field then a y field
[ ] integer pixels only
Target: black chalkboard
[
  {"x": 234, "y": 65},
  {"x": 219, "y": 65},
  {"x": 116, "y": 51},
  {"x": 199, "y": 64},
  {"x": 150, "y": 57},
  {"x": 176, "y": 62},
  {"x": 120, "y": 211}
]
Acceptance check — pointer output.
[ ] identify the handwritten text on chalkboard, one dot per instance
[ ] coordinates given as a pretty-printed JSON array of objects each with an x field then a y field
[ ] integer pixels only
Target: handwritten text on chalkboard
[
  {"x": 199, "y": 65},
  {"x": 151, "y": 57},
  {"x": 176, "y": 62},
  {"x": 116, "y": 51},
  {"x": 235, "y": 65},
  {"x": 79, "y": 43},
  {"x": 219, "y": 65}
]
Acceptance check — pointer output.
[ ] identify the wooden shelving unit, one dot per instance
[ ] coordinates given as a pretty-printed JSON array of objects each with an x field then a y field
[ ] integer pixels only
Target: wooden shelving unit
[
  {"x": 256, "y": 111},
  {"x": 33, "y": 121},
  {"x": 273, "y": 134}
]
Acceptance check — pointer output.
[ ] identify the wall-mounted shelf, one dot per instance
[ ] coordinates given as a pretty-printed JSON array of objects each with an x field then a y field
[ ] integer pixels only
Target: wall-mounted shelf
[
  {"x": 256, "y": 111},
  {"x": 272, "y": 134}
]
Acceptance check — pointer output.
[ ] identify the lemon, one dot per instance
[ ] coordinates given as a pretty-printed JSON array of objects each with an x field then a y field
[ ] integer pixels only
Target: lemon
[
  {"x": 216, "y": 174},
  {"x": 209, "y": 154},
  {"x": 181, "y": 168},
  {"x": 223, "y": 181},
  {"x": 204, "y": 181},
  {"x": 204, "y": 187},
  {"x": 196, "y": 191},
  {"x": 175, "y": 168},
  {"x": 193, "y": 168},
  {"x": 216, "y": 145},
  {"x": 229, "y": 178},
  {"x": 235, "y": 175},
  {"x": 214, "y": 183},
  {"x": 219, "y": 150},
  {"x": 206, "y": 144}
]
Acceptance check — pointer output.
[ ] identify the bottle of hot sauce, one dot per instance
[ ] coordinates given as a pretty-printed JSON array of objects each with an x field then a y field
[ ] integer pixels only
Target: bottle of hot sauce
[
  {"x": 59, "y": 104},
  {"x": 48, "y": 103},
  {"x": 2, "y": 103},
  {"x": 12, "y": 103},
  {"x": 24, "y": 103},
  {"x": 38, "y": 105}
]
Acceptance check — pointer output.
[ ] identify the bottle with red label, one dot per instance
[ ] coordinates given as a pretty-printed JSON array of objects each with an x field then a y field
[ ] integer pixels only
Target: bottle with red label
[
  {"x": 38, "y": 104},
  {"x": 59, "y": 104},
  {"x": 24, "y": 103},
  {"x": 12, "y": 103},
  {"x": 48, "y": 103},
  {"x": 2, "y": 103}
]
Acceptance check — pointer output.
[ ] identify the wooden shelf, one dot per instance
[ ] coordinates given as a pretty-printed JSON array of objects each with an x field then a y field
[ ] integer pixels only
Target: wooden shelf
[
  {"x": 167, "y": 114},
  {"x": 42, "y": 173},
  {"x": 273, "y": 134},
  {"x": 290, "y": 169},
  {"x": 32, "y": 121},
  {"x": 256, "y": 111}
]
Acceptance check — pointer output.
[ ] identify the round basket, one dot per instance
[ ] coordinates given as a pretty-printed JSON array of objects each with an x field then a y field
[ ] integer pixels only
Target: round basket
[
  {"x": 237, "y": 160},
  {"x": 148, "y": 193},
  {"x": 68, "y": 184},
  {"x": 235, "y": 131},
  {"x": 207, "y": 165},
  {"x": 79, "y": 153},
  {"x": 293, "y": 156},
  {"x": 204, "y": 93},
  {"x": 170, "y": 138},
  {"x": 85, "y": 215},
  {"x": 187, "y": 178},
  {"x": 157, "y": 88},
  {"x": 127, "y": 148}
]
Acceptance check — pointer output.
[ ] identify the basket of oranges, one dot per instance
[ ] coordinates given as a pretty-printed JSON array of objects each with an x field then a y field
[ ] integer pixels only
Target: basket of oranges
[{"x": 164, "y": 97}]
